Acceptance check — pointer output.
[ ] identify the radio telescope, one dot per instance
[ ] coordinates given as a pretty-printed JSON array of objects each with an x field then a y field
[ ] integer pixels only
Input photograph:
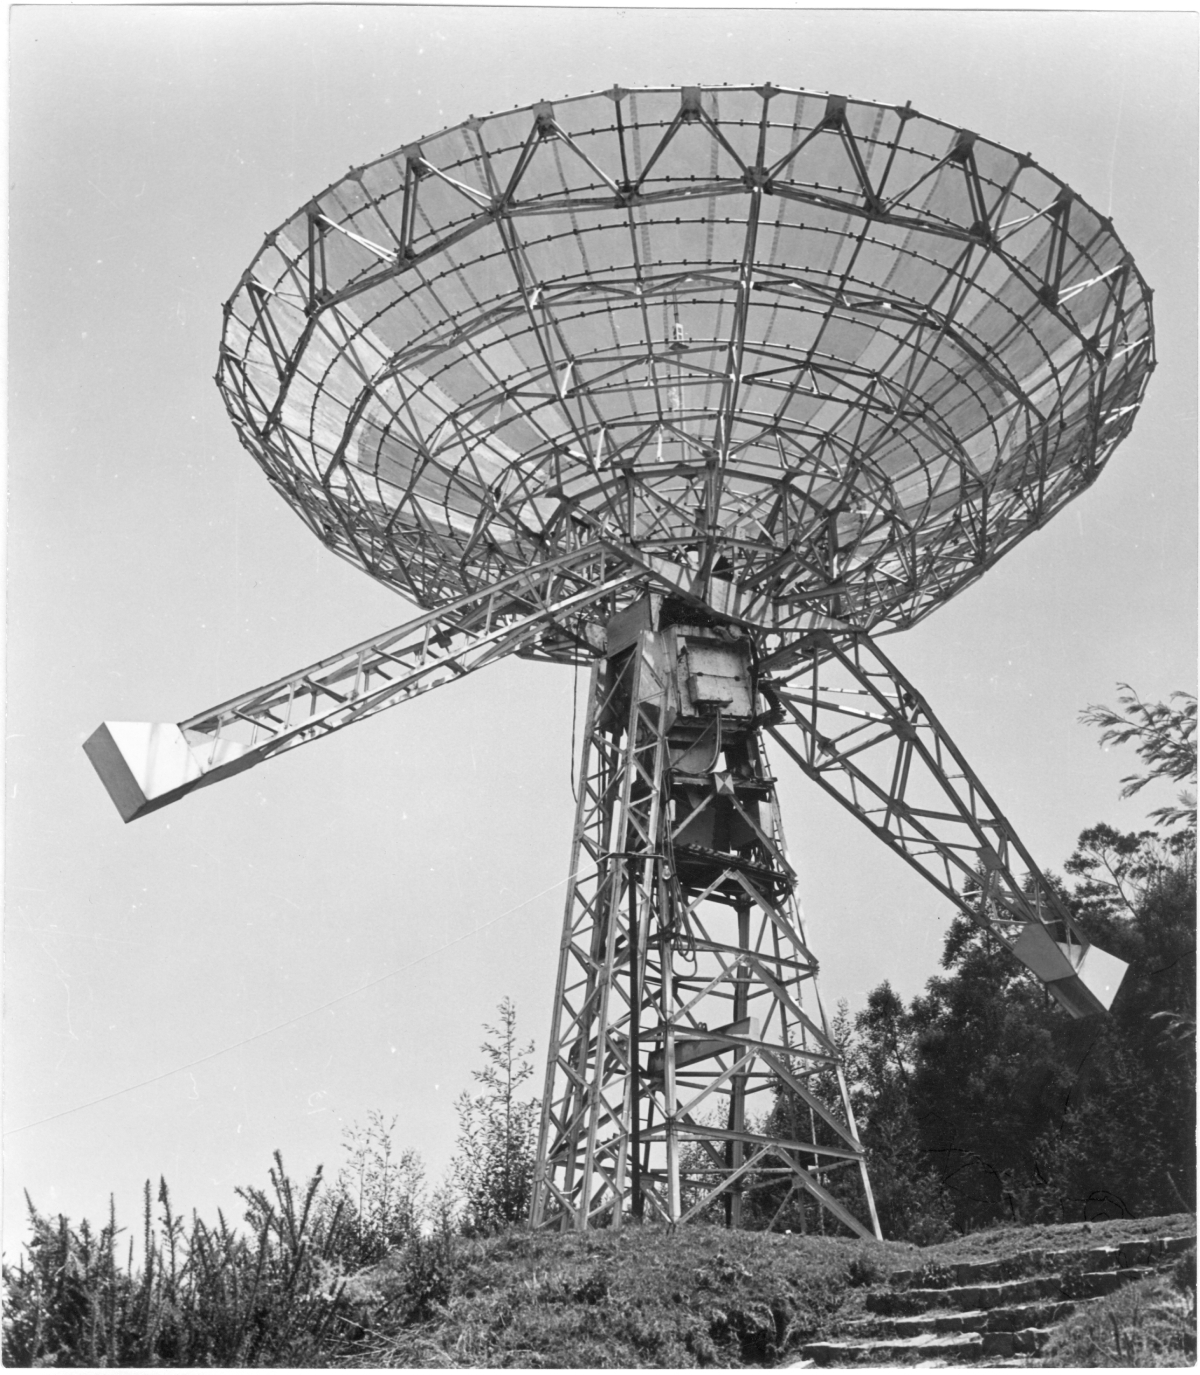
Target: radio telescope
[{"x": 709, "y": 389}]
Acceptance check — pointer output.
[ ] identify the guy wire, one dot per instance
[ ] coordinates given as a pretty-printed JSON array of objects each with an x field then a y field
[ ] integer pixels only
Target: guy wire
[{"x": 290, "y": 1021}]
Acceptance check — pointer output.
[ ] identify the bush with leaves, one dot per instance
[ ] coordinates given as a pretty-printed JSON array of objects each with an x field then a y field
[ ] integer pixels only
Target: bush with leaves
[
  {"x": 313, "y": 1271},
  {"x": 378, "y": 1197}
]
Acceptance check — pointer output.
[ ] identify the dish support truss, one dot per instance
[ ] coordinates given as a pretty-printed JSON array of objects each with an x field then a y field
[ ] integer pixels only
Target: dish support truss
[{"x": 686, "y": 991}]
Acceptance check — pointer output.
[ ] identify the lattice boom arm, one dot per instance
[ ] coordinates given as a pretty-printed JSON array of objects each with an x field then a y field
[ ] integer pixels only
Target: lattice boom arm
[
  {"x": 144, "y": 765},
  {"x": 856, "y": 726}
]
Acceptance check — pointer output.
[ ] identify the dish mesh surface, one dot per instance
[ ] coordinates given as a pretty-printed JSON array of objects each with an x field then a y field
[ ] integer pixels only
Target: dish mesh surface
[{"x": 836, "y": 354}]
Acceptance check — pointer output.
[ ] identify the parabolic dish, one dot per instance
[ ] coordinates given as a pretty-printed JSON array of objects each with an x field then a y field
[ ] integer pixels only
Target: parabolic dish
[{"x": 835, "y": 353}]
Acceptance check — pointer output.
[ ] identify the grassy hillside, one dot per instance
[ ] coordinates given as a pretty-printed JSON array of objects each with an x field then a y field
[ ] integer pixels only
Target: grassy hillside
[
  {"x": 703, "y": 1296},
  {"x": 641, "y": 1297},
  {"x": 289, "y": 1293}
]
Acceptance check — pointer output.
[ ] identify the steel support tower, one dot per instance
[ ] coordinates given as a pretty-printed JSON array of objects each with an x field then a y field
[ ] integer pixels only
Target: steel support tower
[{"x": 686, "y": 996}]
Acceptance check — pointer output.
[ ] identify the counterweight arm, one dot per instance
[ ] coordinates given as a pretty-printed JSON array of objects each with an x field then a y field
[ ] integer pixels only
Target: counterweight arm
[
  {"x": 856, "y": 726},
  {"x": 144, "y": 766}
]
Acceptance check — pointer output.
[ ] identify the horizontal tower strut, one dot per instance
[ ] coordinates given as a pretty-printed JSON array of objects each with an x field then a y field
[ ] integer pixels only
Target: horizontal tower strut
[
  {"x": 855, "y": 725},
  {"x": 144, "y": 766}
]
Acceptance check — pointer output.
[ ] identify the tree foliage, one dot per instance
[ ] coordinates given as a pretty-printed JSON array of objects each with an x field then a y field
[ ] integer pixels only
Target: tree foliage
[
  {"x": 982, "y": 1102},
  {"x": 1165, "y": 738},
  {"x": 883, "y": 1060},
  {"x": 497, "y": 1133}
]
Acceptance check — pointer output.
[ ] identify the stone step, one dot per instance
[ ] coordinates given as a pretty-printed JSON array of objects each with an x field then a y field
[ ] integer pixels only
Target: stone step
[
  {"x": 996, "y": 1312},
  {"x": 1023, "y": 1342},
  {"x": 961, "y": 1348},
  {"x": 1123, "y": 1255},
  {"x": 1007, "y": 1319},
  {"x": 1089, "y": 1284},
  {"x": 907, "y": 1302},
  {"x": 1098, "y": 1283},
  {"x": 1176, "y": 1246}
]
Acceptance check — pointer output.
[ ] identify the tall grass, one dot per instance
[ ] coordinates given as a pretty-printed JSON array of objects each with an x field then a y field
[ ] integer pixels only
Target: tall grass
[
  {"x": 293, "y": 1284},
  {"x": 1149, "y": 1323},
  {"x": 201, "y": 1295},
  {"x": 343, "y": 1275},
  {"x": 288, "y": 1287}
]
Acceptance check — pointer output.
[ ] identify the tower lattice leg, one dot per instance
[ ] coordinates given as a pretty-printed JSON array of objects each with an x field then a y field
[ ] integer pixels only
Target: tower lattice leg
[{"x": 691, "y": 1070}]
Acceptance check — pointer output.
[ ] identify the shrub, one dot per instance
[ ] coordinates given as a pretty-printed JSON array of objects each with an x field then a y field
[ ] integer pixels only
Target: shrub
[
  {"x": 378, "y": 1197},
  {"x": 497, "y": 1134}
]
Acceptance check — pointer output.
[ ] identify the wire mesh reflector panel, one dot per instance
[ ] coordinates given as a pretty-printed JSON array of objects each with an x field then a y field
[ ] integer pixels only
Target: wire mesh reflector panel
[{"x": 837, "y": 354}]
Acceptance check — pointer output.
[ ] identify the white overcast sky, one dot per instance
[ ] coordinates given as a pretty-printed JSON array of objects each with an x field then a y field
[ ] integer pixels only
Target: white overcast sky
[{"x": 152, "y": 573}]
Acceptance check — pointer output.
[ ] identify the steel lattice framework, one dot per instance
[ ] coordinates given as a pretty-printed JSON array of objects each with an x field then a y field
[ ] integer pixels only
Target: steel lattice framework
[
  {"x": 842, "y": 353},
  {"x": 764, "y": 375},
  {"x": 686, "y": 994}
]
